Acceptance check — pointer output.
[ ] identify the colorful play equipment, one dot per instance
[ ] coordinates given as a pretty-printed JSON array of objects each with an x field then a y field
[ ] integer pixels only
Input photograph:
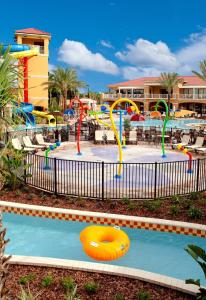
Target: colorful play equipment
[
  {"x": 155, "y": 115},
  {"x": 46, "y": 155},
  {"x": 23, "y": 53},
  {"x": 137, "y": 118},
  {"x": 185, "y": 151},
  {"x": 104, "y": 243},
  {"x": 119, "y": 136},
  {"x": 164, "y": 124},
  {"x": 82, "y": 115}
]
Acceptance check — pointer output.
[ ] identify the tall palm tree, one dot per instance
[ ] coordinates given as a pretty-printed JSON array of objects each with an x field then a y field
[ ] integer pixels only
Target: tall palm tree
[
  {"x": 202, "y": 67},
  {"x": 169, "y": 81},
  {"x": 64, "y": 81}
]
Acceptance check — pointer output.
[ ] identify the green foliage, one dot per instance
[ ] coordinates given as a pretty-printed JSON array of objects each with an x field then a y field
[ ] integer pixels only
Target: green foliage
[
  {"x": 60, "y": 119},
  {"x": 30, "y": 196},
  {"x": 195, "y": 195},
  {"x": 199, "y": 255},
  {"x": 176, "y": 199},
  {"x": 72, "y": 295},
  {"x": 153, "y": 205},
  {"x": 143, "y": 295},
  {"x": 131, "y": 206},
  {"x": 125, "y": 200},
  {"x": 174, "y": 210},
  {"x": 186, "y": 203},
  {"x": 27, "y": 278},
  {"x": 27, "y": 294},
  {"x": 14, "y": 168},
  {"x": 119, "y": 297},
  {"x": 169, "y": 80},
  {"x": 40, "y": 120},
  {"x": 67, "y": 283},
  {"x": 127, "y": 124},
  {"x": 91, "y": 287},
  {"x": 202, "y": 67},
  {"x": 47, "y": 281},
  {"x": 195, "y": 213}
]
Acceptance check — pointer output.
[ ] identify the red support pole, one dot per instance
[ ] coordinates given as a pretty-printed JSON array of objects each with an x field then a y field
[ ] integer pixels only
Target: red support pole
[{"x": 26, "y": 93}]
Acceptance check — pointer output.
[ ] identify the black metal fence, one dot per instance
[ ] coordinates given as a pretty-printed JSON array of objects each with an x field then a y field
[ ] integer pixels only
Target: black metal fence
[{"x": 97, "y": 179}]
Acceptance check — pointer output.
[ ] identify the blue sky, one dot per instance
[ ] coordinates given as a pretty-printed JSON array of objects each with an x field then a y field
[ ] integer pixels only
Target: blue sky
[{"x": 109, "y": 41}]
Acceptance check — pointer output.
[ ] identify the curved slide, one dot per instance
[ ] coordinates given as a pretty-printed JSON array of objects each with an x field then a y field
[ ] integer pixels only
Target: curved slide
[
  {"x": 26, "y": 110},
  {"x": 21, "y": 51},
  {"x": 50, "y": 118}
]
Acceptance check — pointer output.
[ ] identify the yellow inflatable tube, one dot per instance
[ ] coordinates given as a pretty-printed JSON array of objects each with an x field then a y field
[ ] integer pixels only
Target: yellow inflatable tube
[{"x": 104, "y": 243}]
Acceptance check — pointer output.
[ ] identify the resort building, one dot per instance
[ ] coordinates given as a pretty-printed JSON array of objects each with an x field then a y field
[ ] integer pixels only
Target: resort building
[
  {"x": 38, "y": 66},
  {"x": 146, "y": 91}
]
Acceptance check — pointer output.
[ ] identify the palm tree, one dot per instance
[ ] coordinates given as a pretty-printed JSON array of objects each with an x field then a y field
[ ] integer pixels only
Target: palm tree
[
  {"x": 202, "y": 67},
  {"x": 64, "y": 81},
  {"x": 169, "y": 81}
]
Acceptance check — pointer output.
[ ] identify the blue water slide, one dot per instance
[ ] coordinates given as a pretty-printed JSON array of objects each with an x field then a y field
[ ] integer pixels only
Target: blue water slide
[
  {"x": 16, "y": 48},
  {"x": 26, "y": 110}
]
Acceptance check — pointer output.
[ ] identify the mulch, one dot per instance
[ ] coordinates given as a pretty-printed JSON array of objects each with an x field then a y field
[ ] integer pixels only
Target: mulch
[{"x": 109, "y": 287}]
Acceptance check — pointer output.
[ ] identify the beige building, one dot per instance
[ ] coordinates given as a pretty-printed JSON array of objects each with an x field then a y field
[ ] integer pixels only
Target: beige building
[
  {"x": 38, "y": 66},
  {"x": 146, "y": 91}
]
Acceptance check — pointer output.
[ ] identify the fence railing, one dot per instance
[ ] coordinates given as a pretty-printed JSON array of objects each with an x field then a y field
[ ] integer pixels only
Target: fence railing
[{"x": 97, "y": 179}]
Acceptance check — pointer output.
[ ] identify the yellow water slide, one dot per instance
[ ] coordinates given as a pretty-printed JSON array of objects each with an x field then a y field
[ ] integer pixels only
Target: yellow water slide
[
  {"x": 27, "y": 53},
  {"x": 50, "y": 118}
]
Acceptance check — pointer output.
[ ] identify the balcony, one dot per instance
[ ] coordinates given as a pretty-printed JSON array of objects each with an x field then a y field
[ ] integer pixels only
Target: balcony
[{"x": 192, "y": 96}]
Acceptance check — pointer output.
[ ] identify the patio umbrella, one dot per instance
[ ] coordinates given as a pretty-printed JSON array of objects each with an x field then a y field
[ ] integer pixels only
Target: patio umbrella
[{"x": 183, "y": 113}]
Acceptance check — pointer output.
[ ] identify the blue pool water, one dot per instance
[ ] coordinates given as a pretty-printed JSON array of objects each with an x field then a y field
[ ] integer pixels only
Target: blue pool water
[
  {"x": 181, "y": 124},
  {"x": 153, "y": 251}
]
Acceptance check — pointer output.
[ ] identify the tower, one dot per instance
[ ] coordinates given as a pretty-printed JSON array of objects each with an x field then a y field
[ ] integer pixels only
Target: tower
[{"x": 38, "y": 66}]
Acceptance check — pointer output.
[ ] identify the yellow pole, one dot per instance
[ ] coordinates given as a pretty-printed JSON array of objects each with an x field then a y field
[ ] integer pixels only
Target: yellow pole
[{"x": 118, "y": 175}]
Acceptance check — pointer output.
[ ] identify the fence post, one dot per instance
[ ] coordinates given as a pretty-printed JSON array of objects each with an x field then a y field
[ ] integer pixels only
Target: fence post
[
  {"x": 102, "y": 180},
  {"x": 55, "y": 176},
  {"x": 198, "y": 175},
  {"x": 155, "y": 181},
  {"x": 25, "y": 170}
]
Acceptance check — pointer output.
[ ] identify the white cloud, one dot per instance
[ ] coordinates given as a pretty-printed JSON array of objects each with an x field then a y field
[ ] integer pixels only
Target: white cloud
[
  {"x": 51, "y": 67},
  {"x": 78, "y": 55},
  {"x": 146, "y": 58},
  {"x": 106, "y": 44}
]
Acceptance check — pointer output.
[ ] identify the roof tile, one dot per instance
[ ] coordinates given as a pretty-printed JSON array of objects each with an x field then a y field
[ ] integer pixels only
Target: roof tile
[{"x": 32, "y": 31}]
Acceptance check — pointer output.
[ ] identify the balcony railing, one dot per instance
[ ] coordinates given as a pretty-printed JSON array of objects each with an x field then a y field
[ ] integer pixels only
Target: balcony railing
[{"x": 155, "y": 96}]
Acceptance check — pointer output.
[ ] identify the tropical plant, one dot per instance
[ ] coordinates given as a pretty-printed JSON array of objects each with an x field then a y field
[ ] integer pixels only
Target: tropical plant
[
  {"x": 91, "y": 287},
  {"x": 199, "y": 255},
  {"x": 3, "y": 262},
  {"x": 72, "y": 295},
  {"x": 13, "y": 168},
  {"x": 202, "y": 67},
  {"x": 169, "y": 81},
  {"x": 67, "y": 283},
  {"x": 27, "y": 295},
  {"x": 64, "y": 81},
  {"x": 127, "y": 124}
]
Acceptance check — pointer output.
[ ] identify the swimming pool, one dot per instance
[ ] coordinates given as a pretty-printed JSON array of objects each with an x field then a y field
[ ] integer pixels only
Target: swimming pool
[
  {"x": 153, "y": 251},
  {"x": 180, "y": 123}
]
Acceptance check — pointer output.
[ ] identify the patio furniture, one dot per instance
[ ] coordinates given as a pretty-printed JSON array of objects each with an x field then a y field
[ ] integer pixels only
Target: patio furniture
[
  {"x": 201, "y": 150},
  {"x": 17, "y": 146},
  {"x": 27, "y": 142},
  {"x": 109, "y": 136},
  {"x": 184, "y": 141},
  {"x": 133, "y": 136},
  {"x": 40, "y": 140},
  {"x": 198, "y": 144},
  {"x": 99, "y": 136}
]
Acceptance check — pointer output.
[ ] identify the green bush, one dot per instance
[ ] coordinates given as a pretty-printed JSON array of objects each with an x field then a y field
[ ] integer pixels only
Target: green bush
[
  {"x": 143, "y": 295},
  {"x": 174, "y": 210},
  {"x": 26, "y": 279},
  {"x": 91, "y": 287},
  {"x": 119, "y": 297},
  {"x": 27, "y": 294},
  {"x": 176, "y": 199},
  {"x": 60, "y": 119},
  {"x": 153, "y": 205},
  {"x": 67, "y": 283},
  {"x": 40, "y": 120},
  {"x": 72, "y": 295},
  {"x": 195, "y": 195},
  {"x": 187, "y": 203},
  {"x": 195, "y": 213},
  {"x": 47, "y": 281},
  {"x": 131, "y": 206},
  {"x": 125, "y": 200}
]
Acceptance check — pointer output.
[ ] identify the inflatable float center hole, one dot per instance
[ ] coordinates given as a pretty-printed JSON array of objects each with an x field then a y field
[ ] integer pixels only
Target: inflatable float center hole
[{"x": 107, "y": 239}]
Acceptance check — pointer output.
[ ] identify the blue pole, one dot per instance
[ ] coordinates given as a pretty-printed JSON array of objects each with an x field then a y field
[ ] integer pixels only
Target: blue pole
[{"x": 120, "y": 126}]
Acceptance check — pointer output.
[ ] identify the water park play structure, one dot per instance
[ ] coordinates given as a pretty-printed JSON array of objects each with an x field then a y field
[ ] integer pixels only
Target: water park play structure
[
  {"x": 164, "y": 124},
  {"x": 79, "y": 118},
  {"x": 104, "y": 243},
  {"x": 46, "y": 155},
  {"x": 185, "y": 151},
  {"x": 23, "y": 53}
]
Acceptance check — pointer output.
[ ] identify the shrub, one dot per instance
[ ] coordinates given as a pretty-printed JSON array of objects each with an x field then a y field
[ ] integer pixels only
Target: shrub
[
  {"x": 195, "y": 213},
  {"x": 153, "y": 205},
  {"x": 27, "y": 295},
  {"x": 72, "y": 295},
  {"x": 131, "y": 206},
  {"x": 125, "y": 200},
  {"x": 199, "y": 255},
  {"x": 67, "y": 283},
  {"x": 143, "y": 295},
  {"x": 174, "y": 210},
  {"x": 30, "y": 196},
  {"x": 26, "y": 279},
  {"x": 187, "y": 203},
  {"x": 195, "y": 195},
  {"x": 176, "y": 199},
  {"x": 47, "y": 281},
  {"x": 60, "y": 119},
  {"x": 119, "y": 297},
  {"x": 91, "y": 287}
]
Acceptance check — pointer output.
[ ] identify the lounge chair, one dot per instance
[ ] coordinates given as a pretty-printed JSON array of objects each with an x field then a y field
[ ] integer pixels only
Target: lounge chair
[
  {"x": 17, "y": 145},
  {"x": 40, "y": 140},
  {"x": 109, "y": 136},
  {"x": 99, "y": 136},
  {"x": 27, "y": 142},
  {"x": 201, "y": 150},
  {"x": 184, "y": 141},
  {"x": 198, "y": 144},
  {"x": 133, "y": 136}
]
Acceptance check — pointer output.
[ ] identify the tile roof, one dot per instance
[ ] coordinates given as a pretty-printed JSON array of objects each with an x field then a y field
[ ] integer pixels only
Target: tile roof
[
  {"x": 32, "y": 31},
  {"x": 187, "y": 80}
]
